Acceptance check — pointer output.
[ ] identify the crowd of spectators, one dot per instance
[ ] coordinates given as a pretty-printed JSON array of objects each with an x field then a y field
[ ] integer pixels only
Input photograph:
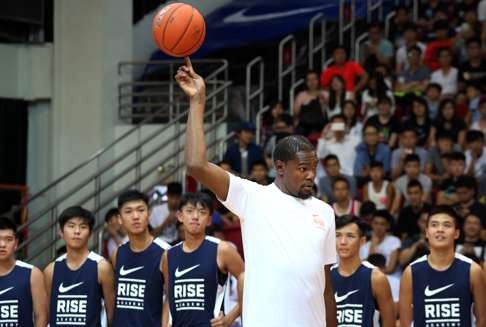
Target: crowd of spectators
[{"x": 397, "y": 130}]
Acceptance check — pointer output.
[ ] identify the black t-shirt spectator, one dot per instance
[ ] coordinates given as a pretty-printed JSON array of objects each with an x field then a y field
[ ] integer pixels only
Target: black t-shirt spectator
[
  {"x": 427, "y": 12},
  {"x": 474, "y": 75},
  {"x": 421, "y": 250},
  {"x": 407, "y": 220},
  {"x": 421, "y": 130},
  {"x": 475, "y": 249},
  {"x": 385, "y": 130},
  {"x": 448, "y": 185},
  {"x": 452, "y": 127},
  {"x": 476, "y": 208}
]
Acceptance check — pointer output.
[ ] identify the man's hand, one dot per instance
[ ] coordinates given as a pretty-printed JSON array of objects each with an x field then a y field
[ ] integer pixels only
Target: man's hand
[
  {"x": 220, "y": 321},
  {"x": 191, "y": 83}
]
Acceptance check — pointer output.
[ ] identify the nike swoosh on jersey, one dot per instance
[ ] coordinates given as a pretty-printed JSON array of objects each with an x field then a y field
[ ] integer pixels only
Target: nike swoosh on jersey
[
  {"x": 63, "y": 289},
  {"x": 185, "y": 271},
  {"x": 124, "y": 272},
  {"x": 5, "y": 290},
  {"x": 240, "y": 17},
  {"x": 344, "y": 297},
  {"x": 429, "y": 292}
]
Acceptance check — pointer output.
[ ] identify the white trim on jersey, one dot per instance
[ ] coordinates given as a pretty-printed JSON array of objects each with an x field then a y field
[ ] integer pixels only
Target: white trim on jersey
[
  {"x": 23, "y": 264},
  {"x": 213, "y": 239},
  {"x": 368, "y": 265},
  {"x": 220, "y": 297},
  {"x": 463, "y": 258},
  {"x": 163, "y": 244},
  {"x": 94, "y": 256},
  {"x": 421, "y": 259},
  {"x": 62, "y": 257},
  {"x": 334, "y": 266}
]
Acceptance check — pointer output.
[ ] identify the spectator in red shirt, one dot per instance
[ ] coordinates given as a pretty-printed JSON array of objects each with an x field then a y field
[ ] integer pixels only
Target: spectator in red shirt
[
  {"x": 347, "y": 69},
  {"x": 442, "y": 41}
]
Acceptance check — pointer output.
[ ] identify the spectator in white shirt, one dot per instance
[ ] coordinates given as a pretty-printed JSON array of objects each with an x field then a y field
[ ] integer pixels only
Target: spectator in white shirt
[
  {"x": 381, "y": 242},
  {"x": 340, "y": 144},
  {"x": 446, "y": 76},
  {"x": 476, "y": 154},
  {"x": 115, "y": 234},
  {"x": 410, "y": 39},
  {"x": 163, "y": 218}
]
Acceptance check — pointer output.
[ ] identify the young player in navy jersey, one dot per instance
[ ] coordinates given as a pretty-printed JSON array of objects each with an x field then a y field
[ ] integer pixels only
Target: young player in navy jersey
[
  {"x": 359, "y": 287},
  {"x": 22, "y": 292},
  {"x": 78, "y": 281},
  {"x": 138, "y": 267},
  {"x": 439, "y": 289},
  {"x": 196, "y": 269}
]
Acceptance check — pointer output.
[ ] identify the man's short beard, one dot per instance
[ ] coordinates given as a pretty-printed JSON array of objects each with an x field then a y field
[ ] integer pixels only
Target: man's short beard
[{"x": 304, "y": 196}]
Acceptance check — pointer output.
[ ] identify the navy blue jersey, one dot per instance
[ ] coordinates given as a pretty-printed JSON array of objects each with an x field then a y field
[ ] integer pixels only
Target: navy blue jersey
[
  {"x": 196, "y": 286},
  {"x": 139, "y": 286},
  {"x": 442, "y": 297},
  {"x": 76, "y": 294},
  {"x": 16, "y": 297},
  {"x": 355, "y": 303}
]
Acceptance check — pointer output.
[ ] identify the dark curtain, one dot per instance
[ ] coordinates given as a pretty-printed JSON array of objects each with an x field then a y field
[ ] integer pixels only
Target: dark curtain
[{"x": 13, "y": 149}]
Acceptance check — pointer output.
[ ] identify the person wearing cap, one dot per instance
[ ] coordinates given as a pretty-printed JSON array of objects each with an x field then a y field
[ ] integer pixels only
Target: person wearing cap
[
  {"x": 339, "y": 144},
  {"x": 442, "y": 41},
  {"x": 244, "y": 152}
]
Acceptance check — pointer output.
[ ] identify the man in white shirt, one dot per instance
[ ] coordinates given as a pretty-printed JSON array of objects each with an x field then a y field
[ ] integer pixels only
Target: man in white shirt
[
  {"x": 288, "y": 235},
  {"x": 476, "y": 154},
  {"x": 163, "y": 218},
  {"x": 341, "y": 145}
]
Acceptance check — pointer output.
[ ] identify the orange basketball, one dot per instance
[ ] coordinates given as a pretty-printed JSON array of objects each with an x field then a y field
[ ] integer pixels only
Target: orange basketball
[{"x": 178, "y": 29}]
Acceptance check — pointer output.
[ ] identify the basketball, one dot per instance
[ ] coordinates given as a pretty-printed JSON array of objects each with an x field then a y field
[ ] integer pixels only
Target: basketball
[{"x": 178, "y": 29}]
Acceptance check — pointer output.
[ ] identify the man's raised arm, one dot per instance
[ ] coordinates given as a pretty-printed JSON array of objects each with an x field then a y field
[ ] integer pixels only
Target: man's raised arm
[{"x": 210, "y": 175}]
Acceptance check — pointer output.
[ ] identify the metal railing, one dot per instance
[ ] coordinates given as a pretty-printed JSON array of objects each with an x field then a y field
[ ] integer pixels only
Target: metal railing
[
  {"x": 371, "y": 8},
  {"x": 319, "y": 47},
  {"x": 156, "y": 87},
  {"x": 292, "y": 94},
  {"x": 360, "y": 39},
  {"x": 283, "y": 72},
  {"x": 132, "y": 160},
  {"x": 350, "y": 25},
  {"x": 258, "y": 91},
  {"x": 258, "y": 122},
  {"x": 388, "y": 20}
]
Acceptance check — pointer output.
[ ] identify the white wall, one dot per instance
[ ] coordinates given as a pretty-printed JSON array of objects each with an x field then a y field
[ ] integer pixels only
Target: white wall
[
  {"x": 90, "y": 38},
  {"x": 26, "y": 71}
]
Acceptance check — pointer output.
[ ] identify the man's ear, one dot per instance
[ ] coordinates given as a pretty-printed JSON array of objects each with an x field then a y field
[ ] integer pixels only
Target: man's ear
[
  {"x": 179, "y": 216},
  {"x": 280, "y": 167}
]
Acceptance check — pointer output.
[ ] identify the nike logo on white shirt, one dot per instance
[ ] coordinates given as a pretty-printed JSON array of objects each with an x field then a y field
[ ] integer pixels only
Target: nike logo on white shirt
[
  {"x": 5, "y": 290},
  {"x": 63, "y": 289},
  {"x": 185, "y": 271},
  {"x": 429, "y": 292},
  {"x": 344, "y": 297},
  {"x": 124, "y": 272}
]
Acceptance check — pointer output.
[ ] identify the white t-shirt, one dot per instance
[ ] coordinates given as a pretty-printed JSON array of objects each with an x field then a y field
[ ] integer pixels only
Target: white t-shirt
[
  {"x": 482, "y": 11},
  {"x": 111, "y": 246},
  {"x": 287, "y": 242},
  {"x": 344, "y": 150},
  {"x": 480, "y": 165},
  {"x": 402, "y": 54},
  {"x": 390, "y": 243},
  {"x": 448, "y": 82},
  {"x": 158, "y": 215}
]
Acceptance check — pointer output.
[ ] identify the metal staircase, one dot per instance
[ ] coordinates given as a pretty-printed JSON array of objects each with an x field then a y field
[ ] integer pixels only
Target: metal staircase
[{"x": 141, "y": 157}]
